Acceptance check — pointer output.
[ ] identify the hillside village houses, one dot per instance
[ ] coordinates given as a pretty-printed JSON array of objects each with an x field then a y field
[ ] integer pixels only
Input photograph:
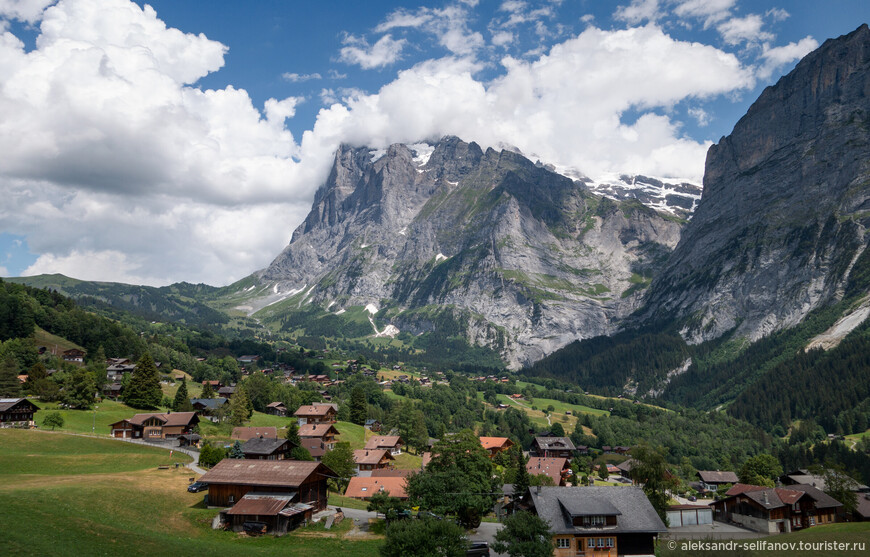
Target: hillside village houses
[
  {"x": 317, "y": 413},
  {"x": 17, "y": 412},
  {"x": 156, "y": 425}
]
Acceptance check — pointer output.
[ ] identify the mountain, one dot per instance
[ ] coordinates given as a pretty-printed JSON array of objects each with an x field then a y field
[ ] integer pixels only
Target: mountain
[
  {"x": 504, "y": 252},
  {"x": 781, "y": 228}
]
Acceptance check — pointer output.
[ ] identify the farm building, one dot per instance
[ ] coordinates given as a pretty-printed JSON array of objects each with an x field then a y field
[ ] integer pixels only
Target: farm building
[{"x": 232, "y": 479}]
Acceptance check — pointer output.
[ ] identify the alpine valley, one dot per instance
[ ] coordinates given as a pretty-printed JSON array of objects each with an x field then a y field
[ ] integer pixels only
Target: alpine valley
[{"x": 631, "y": 285}]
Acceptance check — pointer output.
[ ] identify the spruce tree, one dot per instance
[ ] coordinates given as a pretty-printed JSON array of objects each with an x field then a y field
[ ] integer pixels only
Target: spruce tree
[
  {"x": 236, "y": 450},
  {"x": 144, "y": 388},
  {"x": 358, "y": 406},
  {"x": 207, "y": 391},
  {"x": 10, "y": 386},
  {"x": 182, "y": 399}
]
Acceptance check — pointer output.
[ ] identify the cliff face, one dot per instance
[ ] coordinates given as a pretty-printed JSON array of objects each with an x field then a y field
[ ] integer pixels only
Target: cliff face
[
  {"x": 785, "y": 205},
  {"x": 526, "y": 259}
]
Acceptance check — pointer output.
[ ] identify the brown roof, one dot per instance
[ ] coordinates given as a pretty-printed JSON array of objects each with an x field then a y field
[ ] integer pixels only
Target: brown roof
[
  {"x": 275, "y": 405},
  {"x": 317, "y": 410},
  {"x": 371, "y": 456},
  {"x": 8, "y": 403},
  {"x": 276, "y": 473},
  {"x": 169, "y": 419},
  {"x": 822, "y": 499},
  {"x": 380, "y": 441},
  {"x": 551, "y": 467},
  {"x": 262, "y": 505},
  {"x": 363, "y": 488},
  {"x": 495, "y": 442},
  {"x": 317, "y": 430},
  {"x": 725, "y": 477},
  {"x": 245, "y": 433}
]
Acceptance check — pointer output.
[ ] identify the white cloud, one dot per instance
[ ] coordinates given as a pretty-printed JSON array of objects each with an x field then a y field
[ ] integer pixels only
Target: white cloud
[
  {"x": 449, "y": 25},
  {"x": 383, "y": 53},
  {"x": 298, "y": 78},
  {"x": 700, "y": 115},
  {"x": 638, "y": 11},
  {"x": 711, "y": 11},
  {"x": 4, "y": 272},
  {"x": 775, "y": 58},
  {"x": 502, "y": 38},
  {"x": 744, "y": 29},
  {"x": 588, "y": 18},
  {"x": 24, "y": 10},
  {"x": 777, "y": 14},
  {"x": 404, "y": 18}
]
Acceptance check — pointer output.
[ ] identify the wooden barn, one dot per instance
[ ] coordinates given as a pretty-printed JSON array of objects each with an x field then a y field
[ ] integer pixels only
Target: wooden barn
[{"x": 232, "y": 479}]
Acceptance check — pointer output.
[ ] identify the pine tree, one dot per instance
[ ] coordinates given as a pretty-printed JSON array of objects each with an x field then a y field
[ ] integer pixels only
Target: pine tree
[
  {"x": 522, "y": 481},
  {"x": 358, "y": 405},
  {"x": 182, "y": 399},
  {"x": 236, "y": 450},
  {"x": 207, "y": 391},
  {"x": 10, "y": 386},
  {"x": 144, "y": 388}
]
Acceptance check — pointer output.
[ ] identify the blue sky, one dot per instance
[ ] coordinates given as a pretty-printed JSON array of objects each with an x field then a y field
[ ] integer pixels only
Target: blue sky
[{"x": 184, "y": 140}]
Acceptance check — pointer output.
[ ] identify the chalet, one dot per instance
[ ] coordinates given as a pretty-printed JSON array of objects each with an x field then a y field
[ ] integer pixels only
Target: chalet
[
  {"x": 17, "y": 412},
  {"x": 261, "y": 448},
  {"x": 214, "y": 384},
  {"x": 231, "y": 479},
  {"x": 621, "y": 450},
  {"x": 803, "y": 476},
  {"x": 274, "y": 513},
  {"x": 227, "y": 392},
  {"x": 155, "y": 426},
  {"x": 276, "y": 409},
  {"x": 625, "y": 467},
  {"x": 712, "y": 480},
  {"x": 316, "y": 414},
  {"x": 318, "y": 438},
  {"x": 112, "y": 390},
  {"x": 368, "y": 460},
  {"x": 391, "y": 443},
  {"x": 495, "y": 445},
  {"x": 862, "y": 511},
  {"x": 73, "y": 355},
  {"x": 771, "y": 510},
  {"x": 363, "y": 488},
  {"x": 247, "y": 359},
  {"x": 115, "y": 371},
  {"x": 207, "y": 406},
  {"x": 557, "y": 469},
  {"x": 373, "y": 425},
  {"x": 557, "y": 447},
  {"x": 189, "y": 440},
  {"x": 592, "y": 521},
  {"x": 247, "y": 433}
]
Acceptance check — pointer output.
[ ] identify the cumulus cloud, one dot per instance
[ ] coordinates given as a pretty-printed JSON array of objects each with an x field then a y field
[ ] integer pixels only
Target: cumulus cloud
[
  {"x": 299, "y": 78},
  {"x": 774, "y": 58},
  {"x": 744, "y": 29},
  {"x": 700, "y": 115},
  {"x": 638, "y": 11},
  {"x": 710, "y": 11},
  {"x": 383, "y": 53},
  {"x": 24, "y": 10},
  {"x": 449, "y": 25}
]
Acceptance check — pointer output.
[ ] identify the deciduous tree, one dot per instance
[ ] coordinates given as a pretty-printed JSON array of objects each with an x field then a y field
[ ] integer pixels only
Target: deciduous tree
[
  {"x": 424, "y": 538},
  {"x": 651, "y": 469},
  {"x": 524, "y": 535},
  {"x": 53, "y": 420},
  {"x": 340, "y": 460}
]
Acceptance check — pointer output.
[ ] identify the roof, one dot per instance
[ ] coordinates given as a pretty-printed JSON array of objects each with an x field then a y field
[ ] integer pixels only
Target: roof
[
  {"x": 804, "y": 477},
  {"x": 379, "y": 441},
  {"x": 245, "y": 433},
  {"x": 771, "y": 498},
  {"x": 551, "y": 467},
  {"x": 371, "y": 456},
  {"x": 169, "y": 419},
  {"x": 555, "y": 443},
  {"x": 190, "y": 436},
  {"x": 863, "y": 508},
  {"x": 364, "y": 488},
  {"x": 717, "y": 477},
  {"x": 263, "y": 446},
  {"x": 314, "y": 410},
  {"x": 392, "y": 473},
  {"x": 212, "y": 403},
  {"x": 822, "y": 499},
  {"x": 8, "y": 403},
  {"x": 636, "y": 513},
  {"x": 626, "y": 466},
  {"x": 275, "y": 405},
  {"x": 267, "y": 473},
  {"x": 317, "y": 430},
  {"x": 495, "y": 442},
  {"x": 261, "y": 504}
]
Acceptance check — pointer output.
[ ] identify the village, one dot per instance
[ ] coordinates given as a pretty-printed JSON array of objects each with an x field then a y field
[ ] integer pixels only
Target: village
[{"x": 310, "y": 467}]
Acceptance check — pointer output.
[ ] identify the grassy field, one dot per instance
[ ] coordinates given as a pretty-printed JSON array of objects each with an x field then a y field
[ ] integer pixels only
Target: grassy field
[
  {"x": 93, "y": 508},
  {"x": 855, "y": 438},
  {"x": 406, "y": 461},
  {"x": 851, "y": 533},
  {"x": 97, "y": 420},
  {"x": 354, "y": 434}
]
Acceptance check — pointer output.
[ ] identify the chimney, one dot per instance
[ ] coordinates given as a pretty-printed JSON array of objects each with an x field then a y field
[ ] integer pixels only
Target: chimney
[
  {"x": 537, "y": 489},
  {"x": 766, "y": 501}
]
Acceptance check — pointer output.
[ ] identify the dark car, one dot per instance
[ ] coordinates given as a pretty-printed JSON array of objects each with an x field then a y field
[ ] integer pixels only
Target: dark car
[
  {"x": 427, "y": 514},
  {"x": 477, "y": 549},
  {"x": 196, "y": 487}
]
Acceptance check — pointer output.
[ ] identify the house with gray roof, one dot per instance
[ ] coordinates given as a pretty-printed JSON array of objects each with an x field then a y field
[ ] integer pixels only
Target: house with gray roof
[
  {"x": 588, "y": 520},
  {"x": 553, "y": 447}
]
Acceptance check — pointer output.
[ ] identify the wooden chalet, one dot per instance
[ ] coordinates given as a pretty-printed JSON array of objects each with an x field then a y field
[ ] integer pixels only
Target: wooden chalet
[
  {"x": 318, "y": 438},
  {"x": 155, "y": 426},
  {"x": 373, "y": 425},
  {"x": 363, "y": 488},
  {"x": 276, "y": 409},
  {"x": 555, "y": 447},
  {"x": 115, "y": 371},
  {"x": 17, "y": 412},
  {"x": 112, "y": 390},
  {"x": 261, "y": 448},
  {"x": 772, "y": 510},
  {"x": 246, "y": 433},
  {"x": 227, "y": 392},
  {"x": 495, "y": 445},
  {"x": 598, "y": 521},
  {"x": 231, "y": 479},
  {"x": 207, "y": 406},
  {"x": 73, "y": 355},
  {"x": 557, "y": 469},
  {"x": 711, "y": 480},
  {"x": 391, "y": 443},
  {"x": 368, "y": 460},
  {"x": 261, "y": 513},
  {"x": 319, "y": 413}
]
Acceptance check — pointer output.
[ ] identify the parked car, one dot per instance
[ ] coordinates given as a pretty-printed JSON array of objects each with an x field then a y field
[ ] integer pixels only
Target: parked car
[
  {"x": 692, "y": 498},
  {"x": 427, "y": 514},
  {"x": 477, "y": 549},
  {"x": 196, "y": 487}
]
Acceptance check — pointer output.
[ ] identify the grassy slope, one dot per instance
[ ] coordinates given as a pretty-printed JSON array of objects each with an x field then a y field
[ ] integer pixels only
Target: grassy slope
[
  {"x": 53, "y": 343},
  {"x": 82, "y": 421},
  {"x": 94, "y": 510}
]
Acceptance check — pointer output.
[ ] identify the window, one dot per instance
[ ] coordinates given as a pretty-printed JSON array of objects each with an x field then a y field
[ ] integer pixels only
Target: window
[
  {"x": 364, "y": 489},
  {"x": 812, "y": 521},
  {"x": 563, "y": 543},
  {"x": 609, "y": 542},
  {"x": 600, "y": 542}
]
